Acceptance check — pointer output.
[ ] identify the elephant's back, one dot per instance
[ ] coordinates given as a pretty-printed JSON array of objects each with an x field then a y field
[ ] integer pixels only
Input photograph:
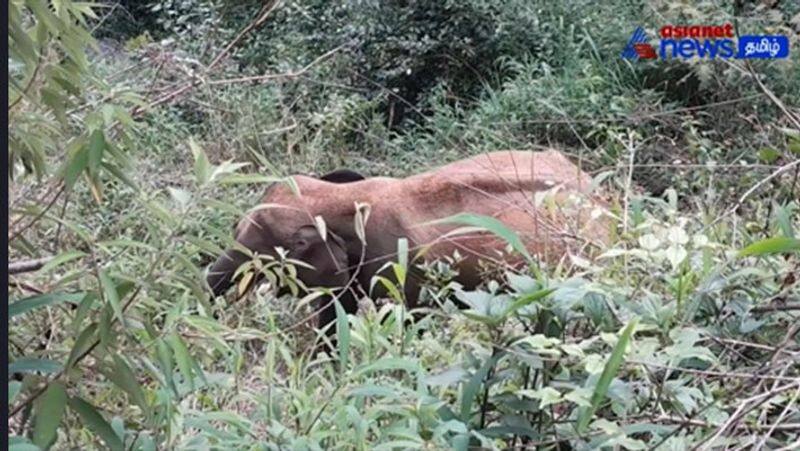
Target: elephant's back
[
  {"x": 542, "y": 196},
  {"x": 515, "y": 168}
]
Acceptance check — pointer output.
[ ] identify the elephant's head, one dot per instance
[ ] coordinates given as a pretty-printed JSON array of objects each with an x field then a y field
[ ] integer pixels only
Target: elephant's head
[
  {"x": 290, "y": 228},
  {"x": 328, "y": 257}
]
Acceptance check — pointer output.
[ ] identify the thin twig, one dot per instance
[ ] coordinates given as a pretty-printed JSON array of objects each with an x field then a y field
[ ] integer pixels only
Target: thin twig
[
  {"x": 16, "y": 233},
  {"x": 725, "y": 374},
  {"x": 744, "y": 407},
  {"x": 27, "y": 87},
  {"x": 753, "y": 189},
  {"x": 258, "y": 78},
  {"x": 776, "y": 426},
  {"x": 772, "y": 96},
  {"x": 261, "y": 17},
  {"x": 705, "y": 424},
  {"x": 775, "y": 308},
  {"x": 630, "y": 117}
]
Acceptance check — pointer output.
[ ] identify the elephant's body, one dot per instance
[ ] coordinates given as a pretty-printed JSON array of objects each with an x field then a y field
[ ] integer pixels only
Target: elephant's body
[{"x": 504, "y": 185}]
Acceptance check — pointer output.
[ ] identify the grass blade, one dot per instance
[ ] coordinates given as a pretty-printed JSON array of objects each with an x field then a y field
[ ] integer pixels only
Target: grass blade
[
  {"x": 34, "y": 302},
  {"x": 342, "y": 334},
  {"x": 609, "y": 371},
  {"x": 489, "y": 224},
  {"x": 111, "y": 295},
  {"x": 776, "y": 245},
  {"x": 183, "y": 358}
]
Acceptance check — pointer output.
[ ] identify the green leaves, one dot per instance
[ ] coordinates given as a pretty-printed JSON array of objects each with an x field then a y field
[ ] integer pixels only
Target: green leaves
[
  {"x": 77, "y": 162},
  {"x": 770, "y": 246},
  {"x": 202, "y": 167},
  {"x": 33, "y": 365},
  {"x": 527, "y": 299},
  {"x": 111, "y": 295},
  {"x": 609, "y": 371},
  {"x": 92, "y": 419},
  {"x": 494, "y": 309},
  {"x": 205, "y": 172},
  {"x": 34, "y": 302},
  {"x": 13, "y": 390},
  {"x": 96, "y": 147},
  {"x": 86, "y": 154},
  {"x": 164, "y": 356},
  {"x": 768, "y": 155},
  {"x": 183, "y": 359},
  {"x": 60, "y": 260},
  {"x": 470, "y": 390},
  {"x": 388, "y": 364},
  {"x": 122, "y": 376},
  {"x": 82, "y": 344},
  {"x": 49, "y": 410},
  {"x": 489, "y": 224},
  {"x": 342, "y": 334}
]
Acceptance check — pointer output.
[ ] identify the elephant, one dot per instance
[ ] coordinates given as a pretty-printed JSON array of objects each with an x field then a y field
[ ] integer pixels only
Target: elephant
[{"x": 542, "y": 196}]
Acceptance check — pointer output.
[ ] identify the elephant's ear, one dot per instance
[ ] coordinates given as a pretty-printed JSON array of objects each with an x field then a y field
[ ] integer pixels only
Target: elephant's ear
[{"x": 342, "y": 176}]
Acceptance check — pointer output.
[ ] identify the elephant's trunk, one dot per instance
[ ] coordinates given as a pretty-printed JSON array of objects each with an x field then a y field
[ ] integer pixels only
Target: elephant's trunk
[{"x": 220, "y": 275}]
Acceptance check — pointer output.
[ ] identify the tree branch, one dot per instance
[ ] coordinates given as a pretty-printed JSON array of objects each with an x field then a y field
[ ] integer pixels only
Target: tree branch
[{"x": 21, "y": 266}]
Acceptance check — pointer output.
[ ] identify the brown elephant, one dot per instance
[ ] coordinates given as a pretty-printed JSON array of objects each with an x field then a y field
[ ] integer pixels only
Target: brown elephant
[{"x": 541, "y": 196}]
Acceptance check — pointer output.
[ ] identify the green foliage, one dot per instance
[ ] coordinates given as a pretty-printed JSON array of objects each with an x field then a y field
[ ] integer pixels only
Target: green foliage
[
  {"x": 56, "y": 106},
  {"x": 50, "y": 409},
  {"x": 776, "y": 245},
  {"x": 488, "y": 224},
  {"x": 610, "y": 370}
]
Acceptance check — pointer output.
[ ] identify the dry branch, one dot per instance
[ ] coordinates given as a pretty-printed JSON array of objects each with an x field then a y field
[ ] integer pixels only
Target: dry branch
[
  {"x": 22, "y": 266},
  {"x": 776, "y": 308},
  {"x": 265, "y": 77}
]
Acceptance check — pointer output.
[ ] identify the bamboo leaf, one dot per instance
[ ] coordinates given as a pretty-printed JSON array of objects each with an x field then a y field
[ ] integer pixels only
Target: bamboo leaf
[
  {"x": 78, "y": 161},
  {"x": 97, "y": 145},
  {"x": 609, "y": 371},
  {"x": 123, "y": 377},
  {"x": 60, "y": 260},
  {"x": 111, "y": 295},
  {"x": 82, "y": 344},
  {"x": 165, "y": 361},
  {"x": 182, "y": 357},
  {"x": 32, "y": 365},
  {"x": 342, "y": 334},
  {"x": 473, "y": 385},
  {"x": 13, "y": 390},
  {"x": 22, "y": 445},
  {"x": 25, "y": 305},
  {"x": 202, "y": 167},
  {"x": 527, "y": 300},
  {"x": 389, "y": 364},
  {"x": 775, "y": 245},
  {"x": 96, "y": 423},
  {"x": 49, "y": 411}
]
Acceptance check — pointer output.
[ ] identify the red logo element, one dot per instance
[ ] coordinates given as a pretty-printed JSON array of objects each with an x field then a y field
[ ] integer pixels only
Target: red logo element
[
  {"x": 645, "y": 51},
  {"x": 697, "y": 31}
]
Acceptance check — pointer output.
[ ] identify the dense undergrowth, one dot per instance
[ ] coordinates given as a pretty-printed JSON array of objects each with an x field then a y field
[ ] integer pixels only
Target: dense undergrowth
[{"x": 681, "y": 335}]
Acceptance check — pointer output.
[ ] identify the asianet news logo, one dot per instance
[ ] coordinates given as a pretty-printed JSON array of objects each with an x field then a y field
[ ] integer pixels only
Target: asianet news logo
[{"x": 704, "y": 41}]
